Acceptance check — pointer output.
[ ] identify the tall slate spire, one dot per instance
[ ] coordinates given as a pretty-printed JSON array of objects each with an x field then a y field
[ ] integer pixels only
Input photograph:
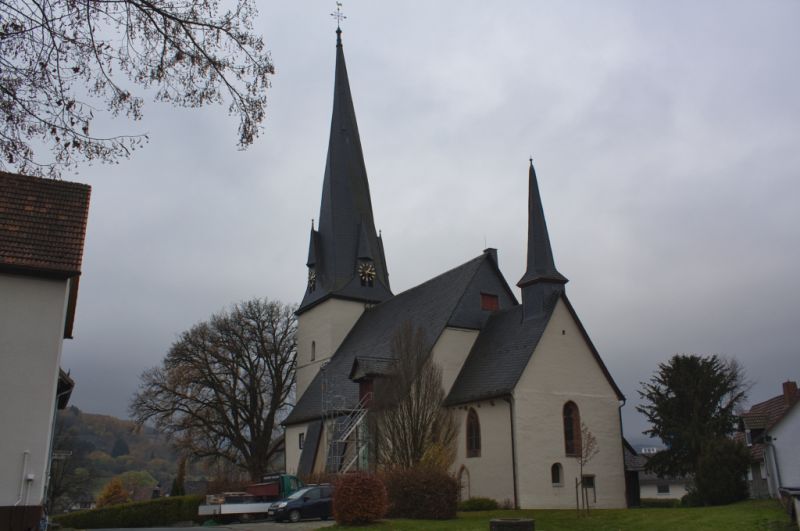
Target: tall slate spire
[
  {"x": 345, "y": 254},
  {"x": 541, "y": 279}
]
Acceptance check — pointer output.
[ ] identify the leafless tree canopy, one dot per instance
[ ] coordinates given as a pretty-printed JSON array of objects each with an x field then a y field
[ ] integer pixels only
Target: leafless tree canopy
[
  {"x": 407, "y": 412},
  {"x": 223, "y": 385},
  {"x": 63, "y": 61}
]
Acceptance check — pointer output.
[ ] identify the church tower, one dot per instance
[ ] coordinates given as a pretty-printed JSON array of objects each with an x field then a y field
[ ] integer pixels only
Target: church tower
[
  {"x": 541, "y": 281},
  {"x": 346, "y": 263}
]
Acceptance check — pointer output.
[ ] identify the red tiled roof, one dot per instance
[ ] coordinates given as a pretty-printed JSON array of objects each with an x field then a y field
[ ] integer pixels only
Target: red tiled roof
[
  {"x": 765, "y": 414},
  {"x": 42, "y": 225}
]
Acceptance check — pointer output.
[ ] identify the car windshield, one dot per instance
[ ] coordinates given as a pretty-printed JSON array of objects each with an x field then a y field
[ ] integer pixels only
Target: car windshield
[{"x": 299, "y": 494}]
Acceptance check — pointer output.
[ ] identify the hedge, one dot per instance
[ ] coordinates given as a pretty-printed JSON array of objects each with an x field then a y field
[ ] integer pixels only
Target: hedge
[
  {"x": 478, "y": 504},
  {"x": 358, "y": 499},
  {"x": 422, "y": 493},
  {"x": 158, "y": 512}
]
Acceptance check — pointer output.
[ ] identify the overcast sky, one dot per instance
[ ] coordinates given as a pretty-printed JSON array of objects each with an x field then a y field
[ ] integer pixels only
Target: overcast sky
[{"x": 666, "y": 139}]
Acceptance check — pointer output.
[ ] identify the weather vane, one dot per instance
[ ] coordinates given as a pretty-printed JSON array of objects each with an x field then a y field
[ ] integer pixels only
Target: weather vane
[{"x": 338, "y": 15}]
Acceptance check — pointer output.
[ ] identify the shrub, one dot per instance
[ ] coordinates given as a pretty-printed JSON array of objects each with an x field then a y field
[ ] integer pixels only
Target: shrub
[
  {"x": 422, "y": 493},
  {"x": 478, "y": 504},
  {"x": 358, "y": 498},
  {"x": 158, "y": 512},
  {"x": 721, "y": 475}
]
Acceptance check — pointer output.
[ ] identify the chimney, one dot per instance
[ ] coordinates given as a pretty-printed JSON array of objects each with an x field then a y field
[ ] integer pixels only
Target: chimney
[{"x": 790, "y": 392}]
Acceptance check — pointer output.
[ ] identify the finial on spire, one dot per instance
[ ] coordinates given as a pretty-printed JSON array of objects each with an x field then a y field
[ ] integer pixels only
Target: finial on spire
[
  {"x": 312, "y": 223},
  {"x": 339, "y": 16},
  {"x": 531, "y": 159}
]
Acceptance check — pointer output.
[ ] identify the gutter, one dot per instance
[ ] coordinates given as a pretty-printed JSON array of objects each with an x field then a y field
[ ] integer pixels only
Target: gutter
[{"x": 510, "y": 400}]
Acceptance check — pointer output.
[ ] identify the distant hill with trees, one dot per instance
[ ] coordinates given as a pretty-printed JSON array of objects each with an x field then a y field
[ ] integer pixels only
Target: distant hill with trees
[{"x": 91, "y": 449}]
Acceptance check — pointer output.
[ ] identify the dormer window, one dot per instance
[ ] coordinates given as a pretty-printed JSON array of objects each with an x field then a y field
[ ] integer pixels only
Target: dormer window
[
  {"x": 366, "y": 273},
  {"x": 490, "y": 302}
]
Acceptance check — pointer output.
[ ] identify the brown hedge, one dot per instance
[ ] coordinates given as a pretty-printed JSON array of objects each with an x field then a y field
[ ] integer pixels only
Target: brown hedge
[
  {"x": 422, "y": 493},
  {"x": 359, "y": 498}
]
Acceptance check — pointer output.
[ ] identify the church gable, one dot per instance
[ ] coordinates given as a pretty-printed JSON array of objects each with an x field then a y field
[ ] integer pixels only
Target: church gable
[{"x": 488, "y": 292}]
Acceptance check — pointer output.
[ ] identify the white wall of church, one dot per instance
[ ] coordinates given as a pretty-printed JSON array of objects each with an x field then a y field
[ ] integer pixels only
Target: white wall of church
[
  {"x": 561, "y": 369},
  {"x": 490, "y": 474},
  {"x": 32, "y": 314},
  {"x": 320, "y": 331},
  {"x": 450, "y": 351},
  {"x": 293, "y": 449}
]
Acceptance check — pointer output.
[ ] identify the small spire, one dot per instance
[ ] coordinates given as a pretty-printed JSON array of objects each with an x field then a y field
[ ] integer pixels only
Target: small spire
[{"x": 312, "y": 223}]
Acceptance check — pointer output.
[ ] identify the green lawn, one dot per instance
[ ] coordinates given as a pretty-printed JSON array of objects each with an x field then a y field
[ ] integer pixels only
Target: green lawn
[{"x": 745, "y": 516}]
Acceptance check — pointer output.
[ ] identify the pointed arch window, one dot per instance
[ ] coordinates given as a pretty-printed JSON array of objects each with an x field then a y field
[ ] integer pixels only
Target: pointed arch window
[
  {"x": 473, "y": 434},
  {"x": 572, "y": 429}
]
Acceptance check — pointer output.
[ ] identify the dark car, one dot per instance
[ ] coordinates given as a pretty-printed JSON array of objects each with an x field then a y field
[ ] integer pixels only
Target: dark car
[{"x": 309, "y": 502}]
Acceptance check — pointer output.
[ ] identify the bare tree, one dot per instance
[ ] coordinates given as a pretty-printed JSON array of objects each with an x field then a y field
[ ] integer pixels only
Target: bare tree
[
  {"x": 588, "y": 449},
  {"x": 408, "y": 417},
  {"x": 224, "y": 384},
  {"x": 63, "y": 62}
]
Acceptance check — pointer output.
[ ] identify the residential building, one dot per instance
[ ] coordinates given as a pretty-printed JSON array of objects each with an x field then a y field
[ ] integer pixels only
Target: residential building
[{"x": 42, "y": 229}]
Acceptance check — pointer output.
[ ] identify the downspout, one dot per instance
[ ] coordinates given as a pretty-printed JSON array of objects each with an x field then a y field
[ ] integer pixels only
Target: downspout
[
  {"x": 23, "y": 480},
  {"x": 510, "y": 400},
  {"x": 622, "y": 440},
  {"x": 774, "y": 454}
]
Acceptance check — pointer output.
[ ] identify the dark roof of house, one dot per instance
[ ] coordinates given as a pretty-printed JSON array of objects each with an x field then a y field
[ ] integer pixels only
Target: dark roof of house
[
  {"x": 346, "y": 232},
  {"x": 766, "y": 414},
  {"x": 42, "y": 225},
  {"x": 429, "y": 307},
  {"x": 503, "y": 349},
  {"x": 64, "y": 389}
]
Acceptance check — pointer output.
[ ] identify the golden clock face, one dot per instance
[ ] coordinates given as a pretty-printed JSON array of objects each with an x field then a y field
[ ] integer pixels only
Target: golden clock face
[{"x": 366, "y": 271}]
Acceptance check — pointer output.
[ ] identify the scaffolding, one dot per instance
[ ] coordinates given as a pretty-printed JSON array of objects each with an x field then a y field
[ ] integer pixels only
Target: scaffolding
[{"x": 346, "y": 433}]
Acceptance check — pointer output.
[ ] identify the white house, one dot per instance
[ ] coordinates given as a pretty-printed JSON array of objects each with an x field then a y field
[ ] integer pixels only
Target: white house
[
  {"x": 520, "y": 377},
  {"x": 42, "y": 228}
]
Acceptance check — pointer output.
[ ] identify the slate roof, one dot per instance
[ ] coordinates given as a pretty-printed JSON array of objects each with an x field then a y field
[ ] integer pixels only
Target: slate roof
[
  {"x": 503, "y": 349},
  {"x": 42, "y": 225},
  {"x": 541, "y": 266},
  {"x": 346, "y": 226},
  {"x": 367, "y": 366},
  {"x": 429, "y": 306}
]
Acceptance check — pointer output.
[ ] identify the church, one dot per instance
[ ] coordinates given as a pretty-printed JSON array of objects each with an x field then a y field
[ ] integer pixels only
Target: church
[{"x": 521, "y": 378}]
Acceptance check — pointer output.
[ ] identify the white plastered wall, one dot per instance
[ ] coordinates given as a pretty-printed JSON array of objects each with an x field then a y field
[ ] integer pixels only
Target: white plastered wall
[
  {"x": 324, "y": 327},
  {"x": 292, "y": 446},
  {"x": 786, "y": 441},
  {"x": 490, "y": 474},
  {"x": 563, "y": 369},
  {"x": 450, "y": 352},
  {"x": 32, "y": 313},
  {"x": 650, "y": 491}
]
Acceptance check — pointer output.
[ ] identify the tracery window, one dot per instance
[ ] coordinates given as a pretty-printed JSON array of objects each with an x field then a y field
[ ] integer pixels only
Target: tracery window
[
  {"x": 555, "y": 474},
  {"x": 473, "y": 434},
  {"x": 572, "y": 430}
]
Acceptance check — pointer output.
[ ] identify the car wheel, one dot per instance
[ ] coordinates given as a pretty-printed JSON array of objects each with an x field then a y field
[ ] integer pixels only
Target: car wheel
[{"x": 294, "y": 516}]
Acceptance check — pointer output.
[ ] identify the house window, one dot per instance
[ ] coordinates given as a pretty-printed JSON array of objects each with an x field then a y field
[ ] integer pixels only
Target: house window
[
  {"x": 662, "y": 488},
  {"x": 587, "y": 482},
  {"x": 555, "y": 474},
  {"x": 762, "y": 471},
  {"x": 300, "y": 440},
  {"x": 473, "y": 434},
  {"x": 490, "y": 302},
  {"x": 572, "y": 430},
  {"x": 313, "y": 350},
  {"x": 748, "y": 437}
]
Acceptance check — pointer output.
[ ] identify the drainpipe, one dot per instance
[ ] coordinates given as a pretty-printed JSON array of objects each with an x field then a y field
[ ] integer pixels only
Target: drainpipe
[
  {"x": 774, "y": 454},
  {"x": 622, "y": 440},
  {"x": 510, "y": 400},
  {"x": 24, "y": 479}
]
